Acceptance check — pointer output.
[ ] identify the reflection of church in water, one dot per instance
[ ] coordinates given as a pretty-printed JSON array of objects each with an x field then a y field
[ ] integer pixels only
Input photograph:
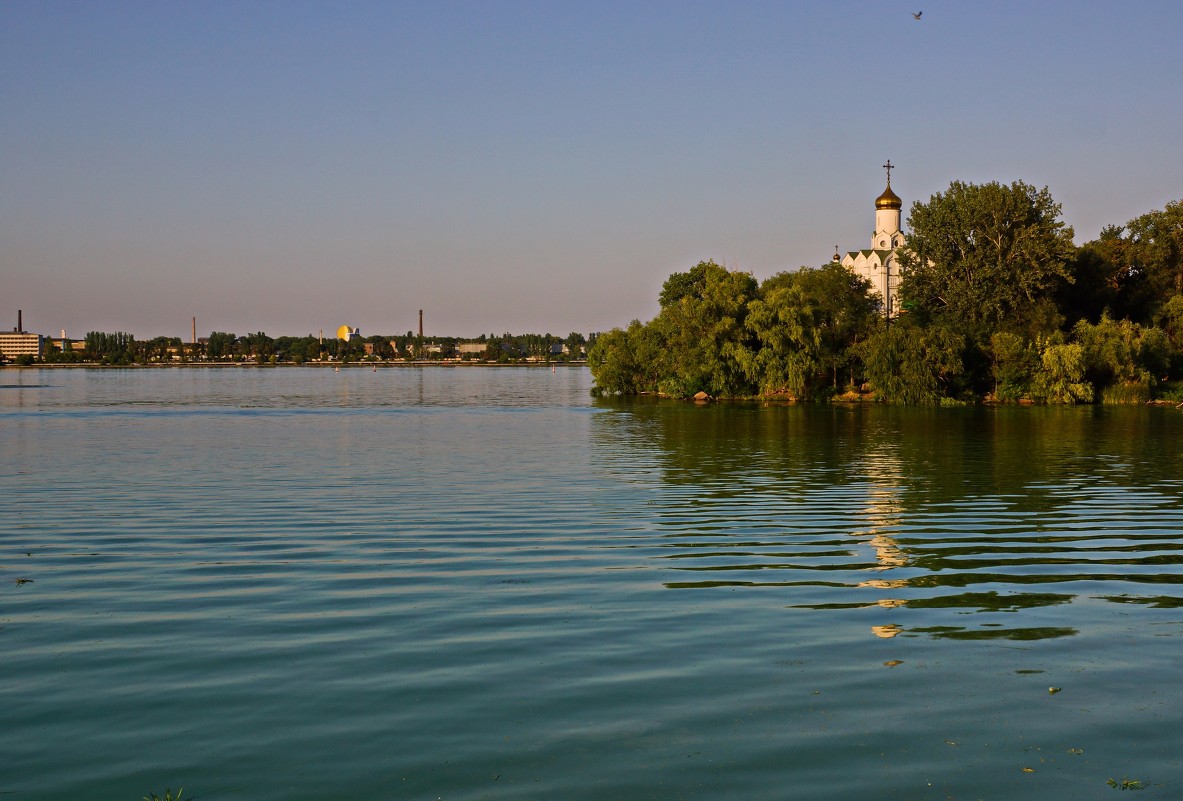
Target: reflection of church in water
[
  {"x": 878, "y": 263},
  {"x": 883, "y": 516}
]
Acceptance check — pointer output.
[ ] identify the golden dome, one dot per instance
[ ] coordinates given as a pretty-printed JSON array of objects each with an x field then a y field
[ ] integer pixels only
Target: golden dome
[{"x": 888, "y": 200}]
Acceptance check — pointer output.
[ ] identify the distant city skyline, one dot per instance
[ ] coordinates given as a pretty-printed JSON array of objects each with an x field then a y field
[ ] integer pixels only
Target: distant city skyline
[{"x": 530, "y": 167}]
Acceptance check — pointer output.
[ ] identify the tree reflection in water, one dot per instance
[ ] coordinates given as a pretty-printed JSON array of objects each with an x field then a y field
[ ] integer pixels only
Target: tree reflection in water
[{"x": 891, "y": 510}]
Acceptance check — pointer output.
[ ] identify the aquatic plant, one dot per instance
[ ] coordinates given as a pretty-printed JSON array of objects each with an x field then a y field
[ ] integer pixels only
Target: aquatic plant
[{"x": 168, "y": 796}]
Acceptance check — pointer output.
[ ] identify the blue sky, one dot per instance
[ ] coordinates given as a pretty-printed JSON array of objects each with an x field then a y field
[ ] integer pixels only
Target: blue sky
[{"x": 530, "y": 167}]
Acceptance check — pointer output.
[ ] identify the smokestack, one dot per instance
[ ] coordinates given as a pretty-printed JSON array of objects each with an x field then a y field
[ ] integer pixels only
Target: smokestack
[
  {"x": 20, "y": 325},
  {"x": 421, "y": 323},
  {"x": 194, "y": 330}
]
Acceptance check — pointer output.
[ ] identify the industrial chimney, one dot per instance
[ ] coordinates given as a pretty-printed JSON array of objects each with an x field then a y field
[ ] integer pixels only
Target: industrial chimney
[{"x": 20, "y": 325}]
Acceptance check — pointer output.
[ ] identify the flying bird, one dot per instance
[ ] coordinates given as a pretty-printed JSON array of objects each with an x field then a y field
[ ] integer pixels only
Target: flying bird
[{"x": 917, "y": 15}]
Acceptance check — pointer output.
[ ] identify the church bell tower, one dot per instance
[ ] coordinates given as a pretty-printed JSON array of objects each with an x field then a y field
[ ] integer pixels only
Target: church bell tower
[
  {"x": 887, "y": 234},
  {"x": 878, "y": 264}
]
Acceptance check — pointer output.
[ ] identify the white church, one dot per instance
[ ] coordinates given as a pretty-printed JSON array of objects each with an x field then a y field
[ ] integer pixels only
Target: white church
[{"x": 878, "y": 263}]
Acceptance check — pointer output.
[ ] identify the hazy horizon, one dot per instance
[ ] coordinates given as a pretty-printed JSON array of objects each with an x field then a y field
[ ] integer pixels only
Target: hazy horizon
[{"x": 529, "y": 167}]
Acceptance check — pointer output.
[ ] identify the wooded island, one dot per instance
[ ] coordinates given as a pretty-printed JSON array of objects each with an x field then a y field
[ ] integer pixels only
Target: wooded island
[{"x": 996, "y": 304}]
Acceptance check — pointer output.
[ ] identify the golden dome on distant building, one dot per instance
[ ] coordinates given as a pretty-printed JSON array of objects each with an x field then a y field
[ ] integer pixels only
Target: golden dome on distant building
[{"x": 889, "y": 199}]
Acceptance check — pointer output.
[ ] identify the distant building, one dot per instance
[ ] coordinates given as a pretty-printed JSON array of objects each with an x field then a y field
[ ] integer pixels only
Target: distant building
[
  {"x": 878, "y": 263},
  {"x": 348, "y": 333},
  {"x": 64, "y": 343},
  {"x": 19, "y": 342}
]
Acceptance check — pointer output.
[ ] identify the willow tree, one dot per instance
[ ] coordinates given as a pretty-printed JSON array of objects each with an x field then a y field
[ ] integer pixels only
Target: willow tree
[
  {"x": 908, "y": 364},
  {"x": 804, "y": 323},
  {"x": 695, "y": 343},
  {"x": 982, "y": 258},
  {"x": 702, "y": 325},
  {"x": 628, "y": 361}
]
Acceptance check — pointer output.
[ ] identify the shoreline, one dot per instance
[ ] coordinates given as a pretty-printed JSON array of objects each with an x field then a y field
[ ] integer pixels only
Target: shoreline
[{"x": 268, "y": 366}]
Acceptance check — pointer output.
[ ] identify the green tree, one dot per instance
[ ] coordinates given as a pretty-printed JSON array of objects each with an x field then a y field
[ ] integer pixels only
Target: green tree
[
  {"x": 786, "y": 353},
  {"x": 703, "y": 327},
  {"x": 257, "y": 346},
  {"x": 1104, "y": 279},
  {"x": 1061, "y": 377},
  {"x": 65, "y": 355},
  {"x": 575, "y": 343},
  {"x": 115, "y": 348},
  {"x": 984, "y": 258},
  {"x": 1123, "y": 359},
  {"x": 630, "y": 361},
  {"x": 804, "y": 323},
  {"x": 697, "y": 342},
  {"x": 220, "y": 345},
  {"x": 1014, "y": 364},
  {"x": 908, "y": 364},
  {"x": 1171, "y": 321},
  {"x": 158, "y": 349},
  {"x": 687, "y": 284},
  {"x": 845, "y": 312},
  {"x": 381, "y": 346},
  {"x": 1156, "y": 248}
]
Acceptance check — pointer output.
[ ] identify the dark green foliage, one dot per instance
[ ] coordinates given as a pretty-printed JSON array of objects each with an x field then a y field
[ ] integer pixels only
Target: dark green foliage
[
  {"x": 220, "y": 345},
  {"x": 1170, "y": 319},
  {"x": 1102, "y": 281},
  {"x": 64, "y": 355},
  {"x": 703, "y": 330},
  {"x": 1132, "y": 270},
  {"x": 575, "y": 343},
  {"x": 696, "y": 344},
  {"x": 159, "y": 349},
  {"x": 1156, "y": 250},
  {"x": 687, "y": 284},
  {"x": 1015, "y": 362},
  {"x": 983, "y": 258},
  {"x": 720, "y": 333},
  {"x": 1124, "y": 360},
  {"x": 629, "y": 362},
  {"x": 116, "y": 348},
  {"x": 912, "y": 365},
  {"x": 803, "y": 324}
]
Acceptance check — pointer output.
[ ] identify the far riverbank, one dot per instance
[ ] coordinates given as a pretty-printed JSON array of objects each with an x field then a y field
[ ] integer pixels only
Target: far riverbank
[{"x": 350, "y": 365}]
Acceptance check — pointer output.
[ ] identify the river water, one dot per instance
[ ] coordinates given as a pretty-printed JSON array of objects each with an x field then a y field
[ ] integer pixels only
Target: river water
[{"x": 479, "y": 583}]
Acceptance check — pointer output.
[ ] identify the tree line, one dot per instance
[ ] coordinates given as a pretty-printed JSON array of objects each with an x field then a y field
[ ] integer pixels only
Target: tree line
[
  {"x": 120, "y": 348},
  {"x": 997, "y": 304}
]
